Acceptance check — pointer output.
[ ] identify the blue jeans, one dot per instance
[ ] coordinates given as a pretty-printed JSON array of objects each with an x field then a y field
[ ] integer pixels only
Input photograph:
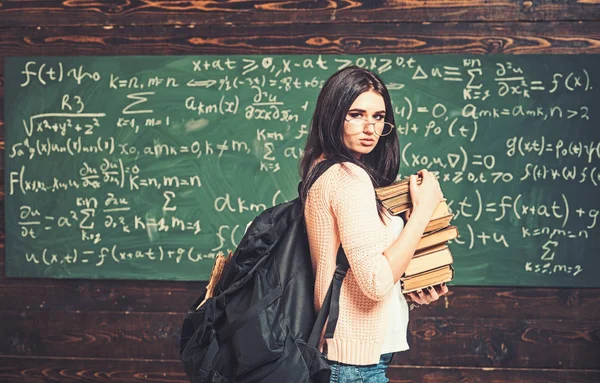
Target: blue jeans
[{"x": 348, "y": 373}]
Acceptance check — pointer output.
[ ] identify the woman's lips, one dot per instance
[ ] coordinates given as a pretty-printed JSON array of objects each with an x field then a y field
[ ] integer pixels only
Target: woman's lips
[{"x": 367, "y": 141}]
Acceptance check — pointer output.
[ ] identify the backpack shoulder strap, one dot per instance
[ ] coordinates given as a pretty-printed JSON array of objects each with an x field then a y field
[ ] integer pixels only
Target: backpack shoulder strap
[{"x": 331, "y": 305}]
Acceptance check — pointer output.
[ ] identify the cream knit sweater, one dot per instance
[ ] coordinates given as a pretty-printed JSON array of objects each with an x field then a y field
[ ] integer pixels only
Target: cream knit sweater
[{"x": 341, "y": 206}]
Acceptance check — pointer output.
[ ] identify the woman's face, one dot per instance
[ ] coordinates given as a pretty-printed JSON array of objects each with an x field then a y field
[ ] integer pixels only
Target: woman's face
[{"x": 370, "y": 107}]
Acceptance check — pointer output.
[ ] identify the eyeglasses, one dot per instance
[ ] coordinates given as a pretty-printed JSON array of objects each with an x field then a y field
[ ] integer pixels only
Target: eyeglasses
[{"x": 381, "y": 128}]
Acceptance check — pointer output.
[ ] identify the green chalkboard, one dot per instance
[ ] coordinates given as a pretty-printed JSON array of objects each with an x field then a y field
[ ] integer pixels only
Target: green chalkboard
[{"x": 144, "y": 167}]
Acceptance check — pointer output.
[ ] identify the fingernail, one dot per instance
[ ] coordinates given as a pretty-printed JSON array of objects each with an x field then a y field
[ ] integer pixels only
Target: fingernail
[
  {"x": 429, "y": 288},
  {"x": 443, "y": 284},
  {"x": 419, "y": 291}
]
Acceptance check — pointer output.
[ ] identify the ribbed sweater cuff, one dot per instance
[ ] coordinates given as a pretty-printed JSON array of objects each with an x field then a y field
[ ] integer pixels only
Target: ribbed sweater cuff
[{"x": 353, "y": 352}]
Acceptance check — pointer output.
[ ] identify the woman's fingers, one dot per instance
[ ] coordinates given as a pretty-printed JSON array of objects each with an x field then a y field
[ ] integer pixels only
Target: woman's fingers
[
  {"x": 429, "y": 294},
  {"x": 420, "y": 297},
  {"x": 433, "y": 295},
  {"x": 412, "y": 182},
  {"x": 442, "y": 289}
]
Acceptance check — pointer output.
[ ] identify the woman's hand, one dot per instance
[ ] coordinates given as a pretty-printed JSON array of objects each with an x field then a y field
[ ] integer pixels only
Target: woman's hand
[
  {"x": 426, "y": 196},
  {"x": 428, "y": 295}
]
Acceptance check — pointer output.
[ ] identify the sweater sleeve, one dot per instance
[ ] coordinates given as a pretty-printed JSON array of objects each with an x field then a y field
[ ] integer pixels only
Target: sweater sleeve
[{"x": 361, "y": 232}]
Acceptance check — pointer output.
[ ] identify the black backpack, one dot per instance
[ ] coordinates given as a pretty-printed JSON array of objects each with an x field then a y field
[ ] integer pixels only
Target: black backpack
[{"x": 261, "y": 326}]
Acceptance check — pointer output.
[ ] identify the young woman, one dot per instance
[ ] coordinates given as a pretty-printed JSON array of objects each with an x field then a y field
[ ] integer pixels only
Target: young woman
[{"x": 353, "y": 124}]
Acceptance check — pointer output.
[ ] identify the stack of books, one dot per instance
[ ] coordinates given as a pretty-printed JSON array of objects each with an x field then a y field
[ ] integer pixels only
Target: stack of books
[{"x": 432, "y": 262}]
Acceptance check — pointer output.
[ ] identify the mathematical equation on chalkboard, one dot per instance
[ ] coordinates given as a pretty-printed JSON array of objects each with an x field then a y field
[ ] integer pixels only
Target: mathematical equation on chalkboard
[{"x": 147, "y": 167}]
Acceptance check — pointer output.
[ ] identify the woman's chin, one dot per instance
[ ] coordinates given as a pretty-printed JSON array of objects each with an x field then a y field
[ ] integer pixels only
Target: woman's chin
[{"x": 358, "y": 152}]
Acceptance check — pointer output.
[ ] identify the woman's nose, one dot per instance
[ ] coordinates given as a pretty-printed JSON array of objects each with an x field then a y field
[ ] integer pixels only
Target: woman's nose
[{"x": 369, "y": 127}]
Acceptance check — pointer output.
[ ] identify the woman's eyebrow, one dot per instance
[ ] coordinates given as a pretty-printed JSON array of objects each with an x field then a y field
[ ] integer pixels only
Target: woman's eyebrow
[{"x": 363, "y": 111}]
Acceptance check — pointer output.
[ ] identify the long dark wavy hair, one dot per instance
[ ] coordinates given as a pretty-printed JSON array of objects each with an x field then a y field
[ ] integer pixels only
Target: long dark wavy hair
[{"x": 326, "y": 135}]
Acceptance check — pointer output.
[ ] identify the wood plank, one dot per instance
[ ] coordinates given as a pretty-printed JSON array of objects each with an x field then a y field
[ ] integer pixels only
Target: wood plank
[
  {"x": 173, "y": 296},
  {"x": 515, "y": 303},
  {"x": 99, "y": 295},
  {"x": 487, "y": 342},
  {"x": 91, "y": 334},
  {"x": 404, "y": 374},
  {"x": 77, "y": 370},
  {"x": 463, "y": 341},
  {"x": 52, "y": 13},
  {"x": 437, "y": 38}
]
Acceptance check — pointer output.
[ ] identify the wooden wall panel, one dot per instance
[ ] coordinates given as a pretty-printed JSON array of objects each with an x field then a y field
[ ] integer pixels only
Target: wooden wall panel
[
  {"x": 435, "y": 341},
  {"x": 398, "y": 374},
  {"x": 141, "y": 13},
  {"x": 127, "y": 331},
  {"x": 95, "y": 295},
  {"x": 437, "y": 38},
  {"x": 77, "y": 370},
  {"x": 173, "y": 296}
]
